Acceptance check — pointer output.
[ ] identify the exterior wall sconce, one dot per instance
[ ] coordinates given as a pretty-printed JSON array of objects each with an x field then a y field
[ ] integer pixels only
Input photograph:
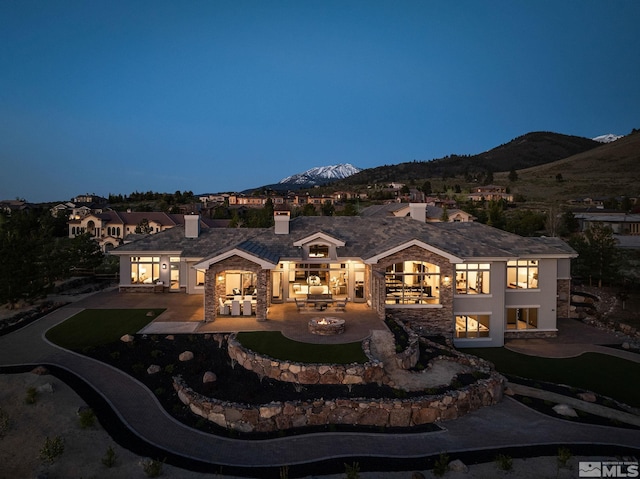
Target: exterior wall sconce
[
  {"x": 220, "y": 277},
  {"x": 164, "y": 266},
  {"x": 446, "y": 280}
]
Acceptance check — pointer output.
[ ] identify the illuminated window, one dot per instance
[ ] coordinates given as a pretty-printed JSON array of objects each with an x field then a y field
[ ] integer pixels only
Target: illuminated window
[
  {"x": 472, "y": 326},
  {"x": 318, "y": 251},
  {"x": 522, "y": 274},
  {"x": 412, "y": 282},
  {"x": 145, "y": 269},
  {"x": 472, "y": 278},
  {"x": 522, "y": 318}
]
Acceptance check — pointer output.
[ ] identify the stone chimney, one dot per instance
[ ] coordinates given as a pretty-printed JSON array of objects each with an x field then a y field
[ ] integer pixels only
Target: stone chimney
[
  {"x": 418, "y": 211},
  {"x": 281, "y": 219},
  {"x": 191, "y": 226}
]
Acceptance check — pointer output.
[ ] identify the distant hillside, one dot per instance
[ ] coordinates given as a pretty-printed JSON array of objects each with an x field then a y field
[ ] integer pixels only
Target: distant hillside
[
  {"x": 525, "y": 151},
  {"x": 607, "y": 171}
]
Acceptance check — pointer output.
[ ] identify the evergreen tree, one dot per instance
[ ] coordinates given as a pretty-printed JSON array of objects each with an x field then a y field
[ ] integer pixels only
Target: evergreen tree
[{"x": 598, "y": 256}]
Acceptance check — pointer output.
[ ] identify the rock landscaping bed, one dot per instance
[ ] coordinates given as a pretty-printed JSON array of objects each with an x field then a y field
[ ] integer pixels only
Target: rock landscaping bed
[{"x": 156, "y": 359}]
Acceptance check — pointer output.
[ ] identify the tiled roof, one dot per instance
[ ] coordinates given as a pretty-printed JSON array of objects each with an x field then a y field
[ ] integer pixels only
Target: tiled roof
[{"x": 363, "y": 237}]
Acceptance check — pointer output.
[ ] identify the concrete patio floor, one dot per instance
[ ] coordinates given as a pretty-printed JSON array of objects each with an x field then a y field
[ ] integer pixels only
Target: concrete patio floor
[{"x": 184, "y": 314}]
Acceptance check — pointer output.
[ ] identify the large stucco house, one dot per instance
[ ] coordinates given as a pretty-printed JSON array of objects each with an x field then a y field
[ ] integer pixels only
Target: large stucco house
[{"x": 465, "y": 280}]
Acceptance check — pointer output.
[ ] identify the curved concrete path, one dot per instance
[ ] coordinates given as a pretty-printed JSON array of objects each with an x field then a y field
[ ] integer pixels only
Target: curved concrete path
[
  {"x": 574, "y": 338},
  {"x": 505, "y": 425}
]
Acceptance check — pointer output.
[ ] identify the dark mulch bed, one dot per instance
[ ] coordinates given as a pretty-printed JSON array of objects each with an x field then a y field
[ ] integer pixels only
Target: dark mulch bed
[
  {"x": 546, "y": 407},
  {"x": 233, "y": 383}
]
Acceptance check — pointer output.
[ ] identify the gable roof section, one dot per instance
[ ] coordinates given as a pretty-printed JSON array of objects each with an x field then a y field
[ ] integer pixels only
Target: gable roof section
[{"x": 319, "y": 236}]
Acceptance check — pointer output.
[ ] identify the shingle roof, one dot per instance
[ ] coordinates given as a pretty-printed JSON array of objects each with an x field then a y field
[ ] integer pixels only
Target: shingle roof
[{"x": 363, "y": 237}]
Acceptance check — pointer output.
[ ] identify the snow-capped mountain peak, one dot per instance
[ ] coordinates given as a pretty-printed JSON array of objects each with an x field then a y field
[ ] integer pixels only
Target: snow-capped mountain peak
[
  {"x": 608, "y": 138},
  {"x": 321, "y": 174}
]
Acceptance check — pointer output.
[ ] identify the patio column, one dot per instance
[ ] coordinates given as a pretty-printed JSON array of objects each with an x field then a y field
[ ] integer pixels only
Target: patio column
[
  {"x": 263, "y": 277},
  {"x": 210, "y": 308}
]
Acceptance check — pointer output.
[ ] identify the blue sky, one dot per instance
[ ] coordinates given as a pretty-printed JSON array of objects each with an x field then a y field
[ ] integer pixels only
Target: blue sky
[{"x": 120, "y": 96}]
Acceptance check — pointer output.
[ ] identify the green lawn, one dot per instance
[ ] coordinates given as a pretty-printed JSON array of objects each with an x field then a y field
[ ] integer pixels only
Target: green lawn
[
  {"x": 275, "y": 345},
  {"x": 93, "y": 327},
  {"x": 600, "y": 373}
]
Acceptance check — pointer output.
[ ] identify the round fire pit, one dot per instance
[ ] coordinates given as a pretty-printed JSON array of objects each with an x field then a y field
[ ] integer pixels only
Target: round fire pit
[{"x": 326, "y": 326}]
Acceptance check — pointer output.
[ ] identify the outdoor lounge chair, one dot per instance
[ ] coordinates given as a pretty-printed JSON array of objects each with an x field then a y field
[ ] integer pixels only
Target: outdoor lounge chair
[
  {"x": 341, "y": 305},
  {"x": 300, "y": 304},
  {"x": 224, "y": 308}
]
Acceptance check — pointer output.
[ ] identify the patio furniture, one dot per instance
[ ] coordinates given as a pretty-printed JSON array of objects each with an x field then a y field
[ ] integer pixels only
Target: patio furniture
[
  {"x": 235, "y": 308},
  {"x": 246, "y": 307},
  {"x": 341, "y": 305},
  {"x": 224, "y": 308},
  {"x": 300, "y": 304}
]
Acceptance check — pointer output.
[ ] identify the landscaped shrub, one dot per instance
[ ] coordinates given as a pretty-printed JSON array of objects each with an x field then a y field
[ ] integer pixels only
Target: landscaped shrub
[
  {"x": 52, "y": 449},
  {"x": 152, "y": 467},
  {"x": 352, "y": 471},
  {"x": 564, "y": 455},
  {"x": 87, "y": 418},
  {"x": 110, "y": 457},
  {"x": 504, "y": 462},
  {"x": 32, "y": 395},
  {"x": 441, "y": 465}
]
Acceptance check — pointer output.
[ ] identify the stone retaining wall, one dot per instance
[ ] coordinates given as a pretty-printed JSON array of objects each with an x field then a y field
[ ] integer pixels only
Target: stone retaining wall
[
  {"x": 393, "y": 413},
  {"x": 304, "y": 373},
  {"x": 408, "y": 358}
]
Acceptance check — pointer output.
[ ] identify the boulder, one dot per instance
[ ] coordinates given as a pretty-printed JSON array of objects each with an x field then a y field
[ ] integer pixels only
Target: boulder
[
  {"x": 587, "y": 397},
  {"x": 127, "y": 338},
  {"x": 46, "y": 388},
  {"x": 209, "y": 377},
  {"x": 565, "y": 410},
  {"x": 151, "y": 314},
  {"x": 169, "y": 337},
  {"x": 185, "y": 356},
  {"x": 458, "y": 466},
  {"x": 153, "y": 369},
  {"x": 40, "y": 371}
]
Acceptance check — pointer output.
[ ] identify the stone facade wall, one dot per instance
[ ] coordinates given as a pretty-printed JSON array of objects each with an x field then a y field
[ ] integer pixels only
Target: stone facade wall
[
  {"x": 304, "y": 373},
  {"x": 564, "y": 298},
  {"x": 430, "y": 320},
  {"x": 395, "y": 413},
  {"x": 215, "y": 289},
  {"x": 529, "y": 334}
]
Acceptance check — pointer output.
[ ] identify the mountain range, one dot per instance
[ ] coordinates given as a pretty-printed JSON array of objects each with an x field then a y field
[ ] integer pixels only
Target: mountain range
[
  {"x": 320, "y": 175},
  {"x": 604, "y": 156}
]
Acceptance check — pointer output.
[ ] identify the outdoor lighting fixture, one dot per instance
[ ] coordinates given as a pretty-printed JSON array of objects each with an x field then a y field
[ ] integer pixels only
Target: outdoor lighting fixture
[
  {"x": 447, "y": 280},
  {"x": 220, "y": 277},
  {"x": 164, "y": 266}
]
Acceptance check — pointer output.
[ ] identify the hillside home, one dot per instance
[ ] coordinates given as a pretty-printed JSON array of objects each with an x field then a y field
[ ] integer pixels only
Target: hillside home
[
  {"x": 467, "y": 281},
  {"x": 111, "y": 228},
  {"x": 490, "y": 193},
  {"x": 432, "y": 213}
]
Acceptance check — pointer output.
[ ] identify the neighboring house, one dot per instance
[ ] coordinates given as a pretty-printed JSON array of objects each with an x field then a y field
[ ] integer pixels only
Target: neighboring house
[
  {"x": 621, "y": 223},
  {"x": 8, "y": 206},
  {"x": 433, "y": 213},
  {"x": 112, "y": 228},
  {"x": 490, "y": 193},
  {"x": 467, "y": 281}
]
